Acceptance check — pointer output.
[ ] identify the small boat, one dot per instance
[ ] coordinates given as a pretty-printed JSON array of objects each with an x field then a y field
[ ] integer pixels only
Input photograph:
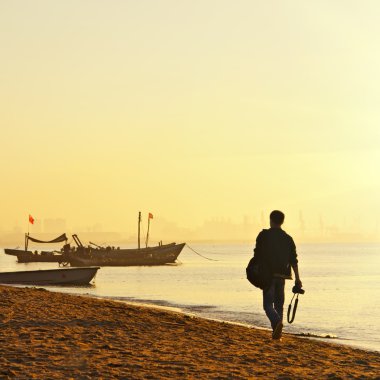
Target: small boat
[
  {"x": 109, "y": 256},
  {"x": 39, "y": 257},
  {"x": 60, "y": 276},
  {"x": 27, "y": 256}
]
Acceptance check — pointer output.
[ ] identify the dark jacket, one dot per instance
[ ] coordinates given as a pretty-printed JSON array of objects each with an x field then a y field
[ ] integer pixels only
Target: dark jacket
[{"x": 275, "y": 247}]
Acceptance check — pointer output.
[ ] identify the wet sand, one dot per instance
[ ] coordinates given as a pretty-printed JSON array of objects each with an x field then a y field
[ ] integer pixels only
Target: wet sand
[{"x": 48, "y": 335}]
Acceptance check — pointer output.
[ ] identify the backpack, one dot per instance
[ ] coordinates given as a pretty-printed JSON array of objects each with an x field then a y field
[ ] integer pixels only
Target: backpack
[{"x": 258, "y": 273}]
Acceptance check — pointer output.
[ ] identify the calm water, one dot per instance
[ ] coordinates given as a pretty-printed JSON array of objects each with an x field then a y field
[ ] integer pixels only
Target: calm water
[{"x": 342, "y": 284}]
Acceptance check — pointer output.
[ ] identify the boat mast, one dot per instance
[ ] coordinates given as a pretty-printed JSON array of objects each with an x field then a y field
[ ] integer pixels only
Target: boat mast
[
  {"x": 26, "y": 241},
  {"x": 147, "y": 234},
  {"x": 138, "y": 235}
]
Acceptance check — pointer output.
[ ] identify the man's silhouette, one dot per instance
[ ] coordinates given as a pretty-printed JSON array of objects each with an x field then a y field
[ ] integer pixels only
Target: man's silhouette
[{"x": 277, "y": 249}]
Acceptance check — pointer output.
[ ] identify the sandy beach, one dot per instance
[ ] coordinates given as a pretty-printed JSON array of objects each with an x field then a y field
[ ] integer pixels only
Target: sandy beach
[{"x": 48, "y": 335}]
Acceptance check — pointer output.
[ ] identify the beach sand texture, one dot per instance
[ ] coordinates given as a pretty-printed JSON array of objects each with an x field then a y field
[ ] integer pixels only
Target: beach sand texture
[{"x": 48, "y": 335}]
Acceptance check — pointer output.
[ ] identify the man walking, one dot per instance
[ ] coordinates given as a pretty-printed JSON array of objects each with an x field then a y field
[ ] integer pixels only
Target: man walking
[{"x": 277, "y": 249}]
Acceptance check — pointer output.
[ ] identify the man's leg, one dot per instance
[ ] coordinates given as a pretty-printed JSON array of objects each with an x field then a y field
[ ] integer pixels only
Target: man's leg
[
  {"x": 268, "y": 303},
  {"x": 279, "y": 296}
]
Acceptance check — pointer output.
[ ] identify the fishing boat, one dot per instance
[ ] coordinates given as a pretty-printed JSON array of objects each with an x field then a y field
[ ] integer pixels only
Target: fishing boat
[
  {"x": 28, "y": 256},
  {"x": 107, "y": 256},
  {"x": 39, "y": 257},
  {"x": 110, "y": 256},
  {"x": 59, "y": 276}
]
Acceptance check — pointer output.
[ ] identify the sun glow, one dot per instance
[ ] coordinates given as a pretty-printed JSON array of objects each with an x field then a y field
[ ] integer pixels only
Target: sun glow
[{"x": 197, "y": 112}]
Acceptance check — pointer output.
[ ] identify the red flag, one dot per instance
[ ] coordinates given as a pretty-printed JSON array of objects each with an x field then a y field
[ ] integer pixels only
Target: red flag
[
  {"x": 150, "y": 216},
  {"x": 31, "y": 219}
]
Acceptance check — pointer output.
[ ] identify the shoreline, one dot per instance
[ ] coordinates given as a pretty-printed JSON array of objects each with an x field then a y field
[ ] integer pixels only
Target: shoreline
[
  {"x": 187, "y": 310},
  {"x": 47, "y": 334}
]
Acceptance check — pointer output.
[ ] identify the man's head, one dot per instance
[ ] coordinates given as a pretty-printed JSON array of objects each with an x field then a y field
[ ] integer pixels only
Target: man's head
[{"x": 276, "y": 218}]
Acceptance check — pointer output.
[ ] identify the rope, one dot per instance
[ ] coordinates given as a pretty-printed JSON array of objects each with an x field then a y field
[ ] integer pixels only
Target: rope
[
  {"x": 207, "y": 258},
  {"x": 291, "y": 315}
]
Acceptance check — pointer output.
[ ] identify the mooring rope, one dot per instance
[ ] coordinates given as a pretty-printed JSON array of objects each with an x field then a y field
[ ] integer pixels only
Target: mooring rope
[{"x": 207, "y": 258}]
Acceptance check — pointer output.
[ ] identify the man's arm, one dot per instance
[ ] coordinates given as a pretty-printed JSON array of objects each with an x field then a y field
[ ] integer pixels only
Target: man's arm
[
  {"x": 294, "y": 262},
  {"x": 296, "y": 273}
]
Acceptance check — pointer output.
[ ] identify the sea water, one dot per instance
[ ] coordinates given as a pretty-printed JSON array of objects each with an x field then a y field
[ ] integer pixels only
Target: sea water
[{"x": 342, "y": 283}]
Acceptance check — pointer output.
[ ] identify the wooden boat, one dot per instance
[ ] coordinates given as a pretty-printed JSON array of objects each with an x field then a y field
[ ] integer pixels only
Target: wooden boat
[
  {"x": 109, "y": 256},
  {"x": 159, "y": 255},
  {"x": 27, "y": 256},
  {"x": 39, "y": 257},
  {"x": 60, "y": 276}
]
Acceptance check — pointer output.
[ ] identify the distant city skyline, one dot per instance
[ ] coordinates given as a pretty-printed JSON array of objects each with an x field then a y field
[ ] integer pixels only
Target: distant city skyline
[{"x": 312, "y": 229}]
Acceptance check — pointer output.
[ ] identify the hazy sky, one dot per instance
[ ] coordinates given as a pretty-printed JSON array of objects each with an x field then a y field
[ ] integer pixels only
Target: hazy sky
[{"x": 190, "y": 110}]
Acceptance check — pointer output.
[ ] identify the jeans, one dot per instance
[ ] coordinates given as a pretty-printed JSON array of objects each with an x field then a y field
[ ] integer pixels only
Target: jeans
[{"x": 273, "y": 301}]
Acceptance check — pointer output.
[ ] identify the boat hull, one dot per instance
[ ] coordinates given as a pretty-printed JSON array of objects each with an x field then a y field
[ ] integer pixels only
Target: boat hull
[
  {"x": 160, "y": 255},
  {"x": 61, "y": 276},
  {"x": 34, "y": 257},
  {"x": 14, "y": 252}
]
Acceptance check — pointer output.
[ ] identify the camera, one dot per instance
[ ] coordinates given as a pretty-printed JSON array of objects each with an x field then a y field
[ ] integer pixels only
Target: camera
[{"x": 298, "y": 290}]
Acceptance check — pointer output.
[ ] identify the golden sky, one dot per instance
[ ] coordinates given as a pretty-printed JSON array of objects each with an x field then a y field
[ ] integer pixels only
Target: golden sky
[{"x": 191, "y": 110}]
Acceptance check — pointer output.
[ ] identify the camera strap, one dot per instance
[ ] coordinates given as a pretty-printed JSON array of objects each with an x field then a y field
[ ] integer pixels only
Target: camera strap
[{"x": 293, "y": 315}]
